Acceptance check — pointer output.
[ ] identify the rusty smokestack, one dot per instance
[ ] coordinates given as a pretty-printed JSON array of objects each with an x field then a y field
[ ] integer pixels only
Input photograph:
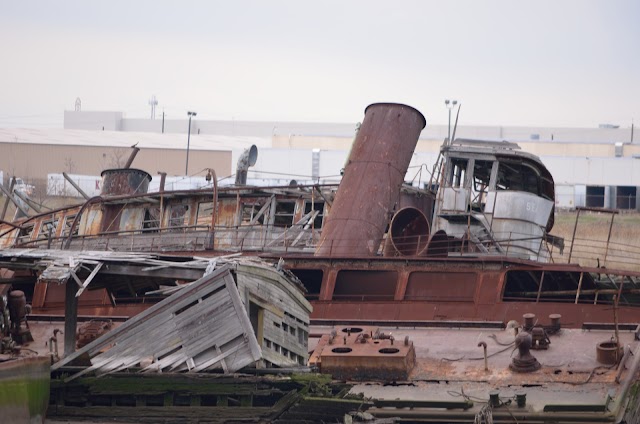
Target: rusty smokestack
[
  {"x": 373, "y": 176},
  {"x": 117, "y": 182}
]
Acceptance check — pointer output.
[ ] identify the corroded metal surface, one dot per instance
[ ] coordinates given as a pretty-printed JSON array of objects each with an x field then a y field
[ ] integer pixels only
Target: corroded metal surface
[
  {"x": 411, "y": 289},
  {"x": 89, "y": 331},
  {"x": 364, "y": 353},
  {"x": 408, "y": 233},
  {"x": 450, "y": 367},
  {"x": 370, "y": 187},
  {"x": 116, "y": 182}
]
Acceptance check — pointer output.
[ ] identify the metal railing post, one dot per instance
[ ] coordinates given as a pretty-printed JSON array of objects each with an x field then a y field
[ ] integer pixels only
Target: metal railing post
[{"x": 573, "y": 237}]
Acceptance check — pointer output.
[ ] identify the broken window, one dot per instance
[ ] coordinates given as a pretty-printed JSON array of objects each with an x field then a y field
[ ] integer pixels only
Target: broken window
[
  {"x": 68, "y": 222},
  {"x": 151, "y": 221},
  {"x": 285, "y": 211},
  {"x": 205, "y": 212},
  {"x": 250, "y": 210},
  {"x": 303, "y": 337},
  {"x": 457, "y": 172},
  {"x": 24, "y": 235},
  {"x": 48, "y": 228},
  {"x": 522, "y": 285},
  {"x": 481, "y": 181},
  {"x": 317, "y": 206},
  {"x": 312, "y": 281},
  {"x": 179, "y": 216},
  {"x": 516, "y": 176}
]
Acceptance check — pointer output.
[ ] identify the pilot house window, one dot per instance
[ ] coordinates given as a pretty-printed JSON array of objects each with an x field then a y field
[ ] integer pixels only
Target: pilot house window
[
  {"x": 151, "y": 221},
  {"x": 179, "y": 216},
  {"x": 458, "y": 172},
  {"x": 518, "y": 177}
]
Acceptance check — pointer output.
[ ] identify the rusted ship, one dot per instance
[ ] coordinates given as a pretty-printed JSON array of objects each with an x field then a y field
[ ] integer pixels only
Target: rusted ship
[
  {"x": 473, "y": 244},
  {"x": 466, "y": 254}
]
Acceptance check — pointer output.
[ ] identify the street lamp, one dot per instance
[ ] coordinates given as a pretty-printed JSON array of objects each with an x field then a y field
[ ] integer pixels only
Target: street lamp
[
  {"x": 186, "y": 166},
  {"x": 450, "y": 104}
]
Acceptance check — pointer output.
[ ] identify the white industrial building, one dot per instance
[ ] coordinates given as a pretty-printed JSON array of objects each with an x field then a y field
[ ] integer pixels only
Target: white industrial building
[{"x": 597, "y": 167}]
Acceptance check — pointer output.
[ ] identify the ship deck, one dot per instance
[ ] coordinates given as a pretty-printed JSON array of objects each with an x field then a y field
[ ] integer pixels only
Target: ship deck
[
  {"x": 450, "y": 376},
  {"x": 449, "y": 381}
]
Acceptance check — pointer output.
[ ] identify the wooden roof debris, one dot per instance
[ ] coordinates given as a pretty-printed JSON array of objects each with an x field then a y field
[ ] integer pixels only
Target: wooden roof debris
[
  {"x": 58, "y": 266},
  {"x": 202, "y": 327}
]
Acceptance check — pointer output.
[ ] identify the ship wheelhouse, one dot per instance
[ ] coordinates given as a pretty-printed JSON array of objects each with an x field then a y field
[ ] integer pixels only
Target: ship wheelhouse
[{"x": 494, "y": 198}]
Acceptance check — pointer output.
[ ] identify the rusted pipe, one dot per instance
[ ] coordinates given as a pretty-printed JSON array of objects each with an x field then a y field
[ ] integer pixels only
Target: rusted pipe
[
  {"x": 211, "y": 174},
  {"x": 132, "y": 156},
  {"x": 247, "y": 159},
  {"x": 486, "y": 360},
  {"x": 163, "y": 179},
  {"x": 11, "y": 224},
  {"x": 373, "y": 176},
  {"x": 408, "y": 233}
]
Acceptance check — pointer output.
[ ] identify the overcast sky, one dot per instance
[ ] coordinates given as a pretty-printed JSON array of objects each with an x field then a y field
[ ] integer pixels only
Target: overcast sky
[{"x": 531, "y": 63}]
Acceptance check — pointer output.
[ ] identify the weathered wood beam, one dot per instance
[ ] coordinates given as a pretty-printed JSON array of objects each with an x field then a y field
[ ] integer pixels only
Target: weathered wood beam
[
  {"x": 89, "y": 278},
  {"x": 6, "y": 201},
  {"x": 138, "y": 271},
  {"x": 76, "y": 186},
  {"x": 15, "y": 202}
]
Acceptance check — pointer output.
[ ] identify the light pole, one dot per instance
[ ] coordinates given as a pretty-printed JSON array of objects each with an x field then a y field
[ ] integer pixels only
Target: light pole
[
  {"x": 450, "y": 104},
  {"x": 186, "y": 166}
]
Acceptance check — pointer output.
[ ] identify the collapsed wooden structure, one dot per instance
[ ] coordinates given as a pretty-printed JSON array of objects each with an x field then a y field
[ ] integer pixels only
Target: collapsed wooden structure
[{"x": 201, "y": 327}]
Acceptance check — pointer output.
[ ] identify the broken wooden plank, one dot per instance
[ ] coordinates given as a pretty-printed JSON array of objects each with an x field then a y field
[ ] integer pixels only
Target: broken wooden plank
[
  {"x": 89, "y": 278},
  {"x": 196, "y": 328}
]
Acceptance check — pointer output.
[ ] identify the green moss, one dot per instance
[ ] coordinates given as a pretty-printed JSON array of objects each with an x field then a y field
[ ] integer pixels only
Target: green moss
[
  {"x": 306, "y": 378},
  {"x": 31, "y": 394}
]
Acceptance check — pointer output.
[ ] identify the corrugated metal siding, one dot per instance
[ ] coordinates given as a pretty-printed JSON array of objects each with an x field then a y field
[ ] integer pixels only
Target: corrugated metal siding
[{"x": 35, "y": 161}]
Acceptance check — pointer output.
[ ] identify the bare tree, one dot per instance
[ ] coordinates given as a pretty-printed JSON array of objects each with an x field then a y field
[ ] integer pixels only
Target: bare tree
[
  {"x": 118, "y": 157},
  {"x": 69, "y": 165}
]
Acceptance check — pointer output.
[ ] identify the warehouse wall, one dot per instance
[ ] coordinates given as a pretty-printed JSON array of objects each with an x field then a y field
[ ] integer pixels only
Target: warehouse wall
[{"x": 35, "y": 161}]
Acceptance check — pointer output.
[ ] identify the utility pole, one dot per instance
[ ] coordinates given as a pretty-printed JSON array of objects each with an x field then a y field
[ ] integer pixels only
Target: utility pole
[{"x": 186, "y": 166}]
